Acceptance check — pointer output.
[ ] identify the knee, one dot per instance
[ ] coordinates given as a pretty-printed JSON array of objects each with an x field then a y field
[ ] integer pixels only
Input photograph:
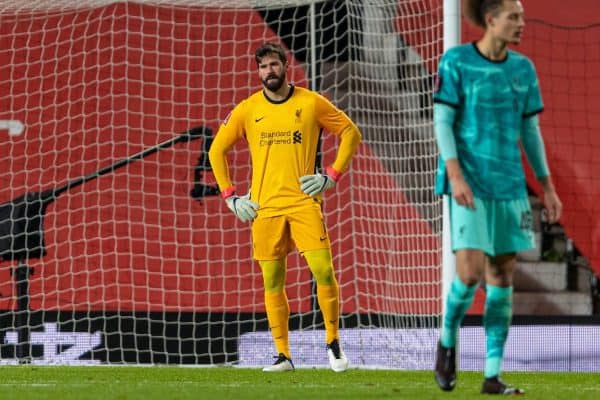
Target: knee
[
  {"x": 273, "y": 284},
  {"x": 470, "y": 276},
  {"x": 500, "y": 270},
  {"x": 323, "y": 274},
  {"x": 273, "y": 273},
  {"x": 321, "y": 266},
  {"x": 470, "y": 266}
]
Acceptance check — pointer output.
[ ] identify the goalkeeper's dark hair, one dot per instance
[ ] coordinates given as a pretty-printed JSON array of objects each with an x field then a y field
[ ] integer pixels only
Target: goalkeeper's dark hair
[
  {"x": 270, "y": 48},
  {"x": 475, "y": 10}
]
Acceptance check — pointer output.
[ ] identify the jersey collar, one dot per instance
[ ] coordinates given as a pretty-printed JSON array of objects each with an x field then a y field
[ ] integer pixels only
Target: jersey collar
[
  {"x": 270, "y": 100},
  {"x": 489, "y": 59}
]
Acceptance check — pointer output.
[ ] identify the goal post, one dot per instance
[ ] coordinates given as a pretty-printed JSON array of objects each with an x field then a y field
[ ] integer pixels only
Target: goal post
[
  {"x": 452, "y": 22},
  {"x": 146, "y": 264}
]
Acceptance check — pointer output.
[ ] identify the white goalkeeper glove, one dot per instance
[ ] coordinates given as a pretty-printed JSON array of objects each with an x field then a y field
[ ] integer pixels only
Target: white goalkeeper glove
[
  {"x": 242, "y": 206},
  {"x": 312, "y": 185}
]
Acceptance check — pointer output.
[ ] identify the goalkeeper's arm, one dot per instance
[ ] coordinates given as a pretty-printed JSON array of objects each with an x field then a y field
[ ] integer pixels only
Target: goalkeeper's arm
[
  {"x": 314, "y": 184},
  {"x": 242, "y": 206}
]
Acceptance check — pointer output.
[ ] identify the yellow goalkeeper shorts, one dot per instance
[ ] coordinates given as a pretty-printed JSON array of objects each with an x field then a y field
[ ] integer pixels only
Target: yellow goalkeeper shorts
[{"x": 274, "y": 237}]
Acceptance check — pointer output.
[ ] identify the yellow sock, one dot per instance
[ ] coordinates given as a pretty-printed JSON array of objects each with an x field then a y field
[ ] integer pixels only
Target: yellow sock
[
  {"x": 328, "y": 293},
  {"x": 276, "y": 303},
  {"x": 278, "y": 314},
  {"x": 329, "y": 302}
]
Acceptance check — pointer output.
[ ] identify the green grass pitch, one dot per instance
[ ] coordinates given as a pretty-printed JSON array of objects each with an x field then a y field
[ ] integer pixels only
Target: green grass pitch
[{"x": 224, "y": 383}]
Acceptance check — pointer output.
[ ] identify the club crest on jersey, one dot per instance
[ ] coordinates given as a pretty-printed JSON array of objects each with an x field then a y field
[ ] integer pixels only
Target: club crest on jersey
[{"x": 299, "y": 115}]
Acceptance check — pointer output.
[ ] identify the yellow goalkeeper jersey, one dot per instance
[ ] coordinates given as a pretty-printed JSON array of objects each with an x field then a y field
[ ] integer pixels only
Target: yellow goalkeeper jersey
[{"x": 283, "y": 138}]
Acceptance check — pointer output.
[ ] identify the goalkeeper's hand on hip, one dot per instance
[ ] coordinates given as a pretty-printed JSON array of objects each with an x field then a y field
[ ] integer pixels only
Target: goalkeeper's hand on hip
[
  {"x": 312, "y": 185},
  {"x": 242, "y": 207}
]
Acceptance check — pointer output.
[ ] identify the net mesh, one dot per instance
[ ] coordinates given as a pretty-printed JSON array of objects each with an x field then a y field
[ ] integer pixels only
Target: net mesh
[{"x": 145, "y": 263}]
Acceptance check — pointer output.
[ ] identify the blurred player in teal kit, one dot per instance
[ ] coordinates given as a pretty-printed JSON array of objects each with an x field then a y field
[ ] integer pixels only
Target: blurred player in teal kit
[{"x": 487, "y": 101}]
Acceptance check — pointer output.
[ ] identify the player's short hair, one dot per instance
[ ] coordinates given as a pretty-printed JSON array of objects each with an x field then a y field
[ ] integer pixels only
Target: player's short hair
[
  {"x": 270, "y": 48},
  {"x": 475, "y": 10}
]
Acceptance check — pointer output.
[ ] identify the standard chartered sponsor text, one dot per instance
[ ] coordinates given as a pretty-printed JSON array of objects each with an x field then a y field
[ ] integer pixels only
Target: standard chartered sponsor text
[{"x": 275, "y": 137}]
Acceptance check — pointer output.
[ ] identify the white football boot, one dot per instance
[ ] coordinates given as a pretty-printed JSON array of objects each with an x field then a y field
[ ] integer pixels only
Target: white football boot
[
  {"x": 337, "y": 358},
  {"x": 282, "y": 364}
]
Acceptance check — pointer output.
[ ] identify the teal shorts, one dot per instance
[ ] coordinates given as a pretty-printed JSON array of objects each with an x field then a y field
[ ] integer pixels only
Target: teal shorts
[{"x": 495, "y": 226}]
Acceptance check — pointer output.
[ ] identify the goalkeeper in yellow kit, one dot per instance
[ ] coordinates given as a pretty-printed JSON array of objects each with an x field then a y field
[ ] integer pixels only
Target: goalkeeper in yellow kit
[{"x": 282, "y": 124}]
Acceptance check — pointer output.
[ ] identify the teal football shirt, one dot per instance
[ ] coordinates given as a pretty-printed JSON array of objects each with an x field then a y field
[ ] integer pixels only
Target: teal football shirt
[{"x": 491, "y": 99}]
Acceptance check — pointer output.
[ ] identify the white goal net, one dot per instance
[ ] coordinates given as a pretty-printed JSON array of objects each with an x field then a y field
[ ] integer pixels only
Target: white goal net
[{"x": 109, "y": 258}]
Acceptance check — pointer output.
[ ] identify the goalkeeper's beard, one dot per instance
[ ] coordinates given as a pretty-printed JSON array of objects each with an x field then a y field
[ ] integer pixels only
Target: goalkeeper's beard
[{"x": 274, "y": 84}]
